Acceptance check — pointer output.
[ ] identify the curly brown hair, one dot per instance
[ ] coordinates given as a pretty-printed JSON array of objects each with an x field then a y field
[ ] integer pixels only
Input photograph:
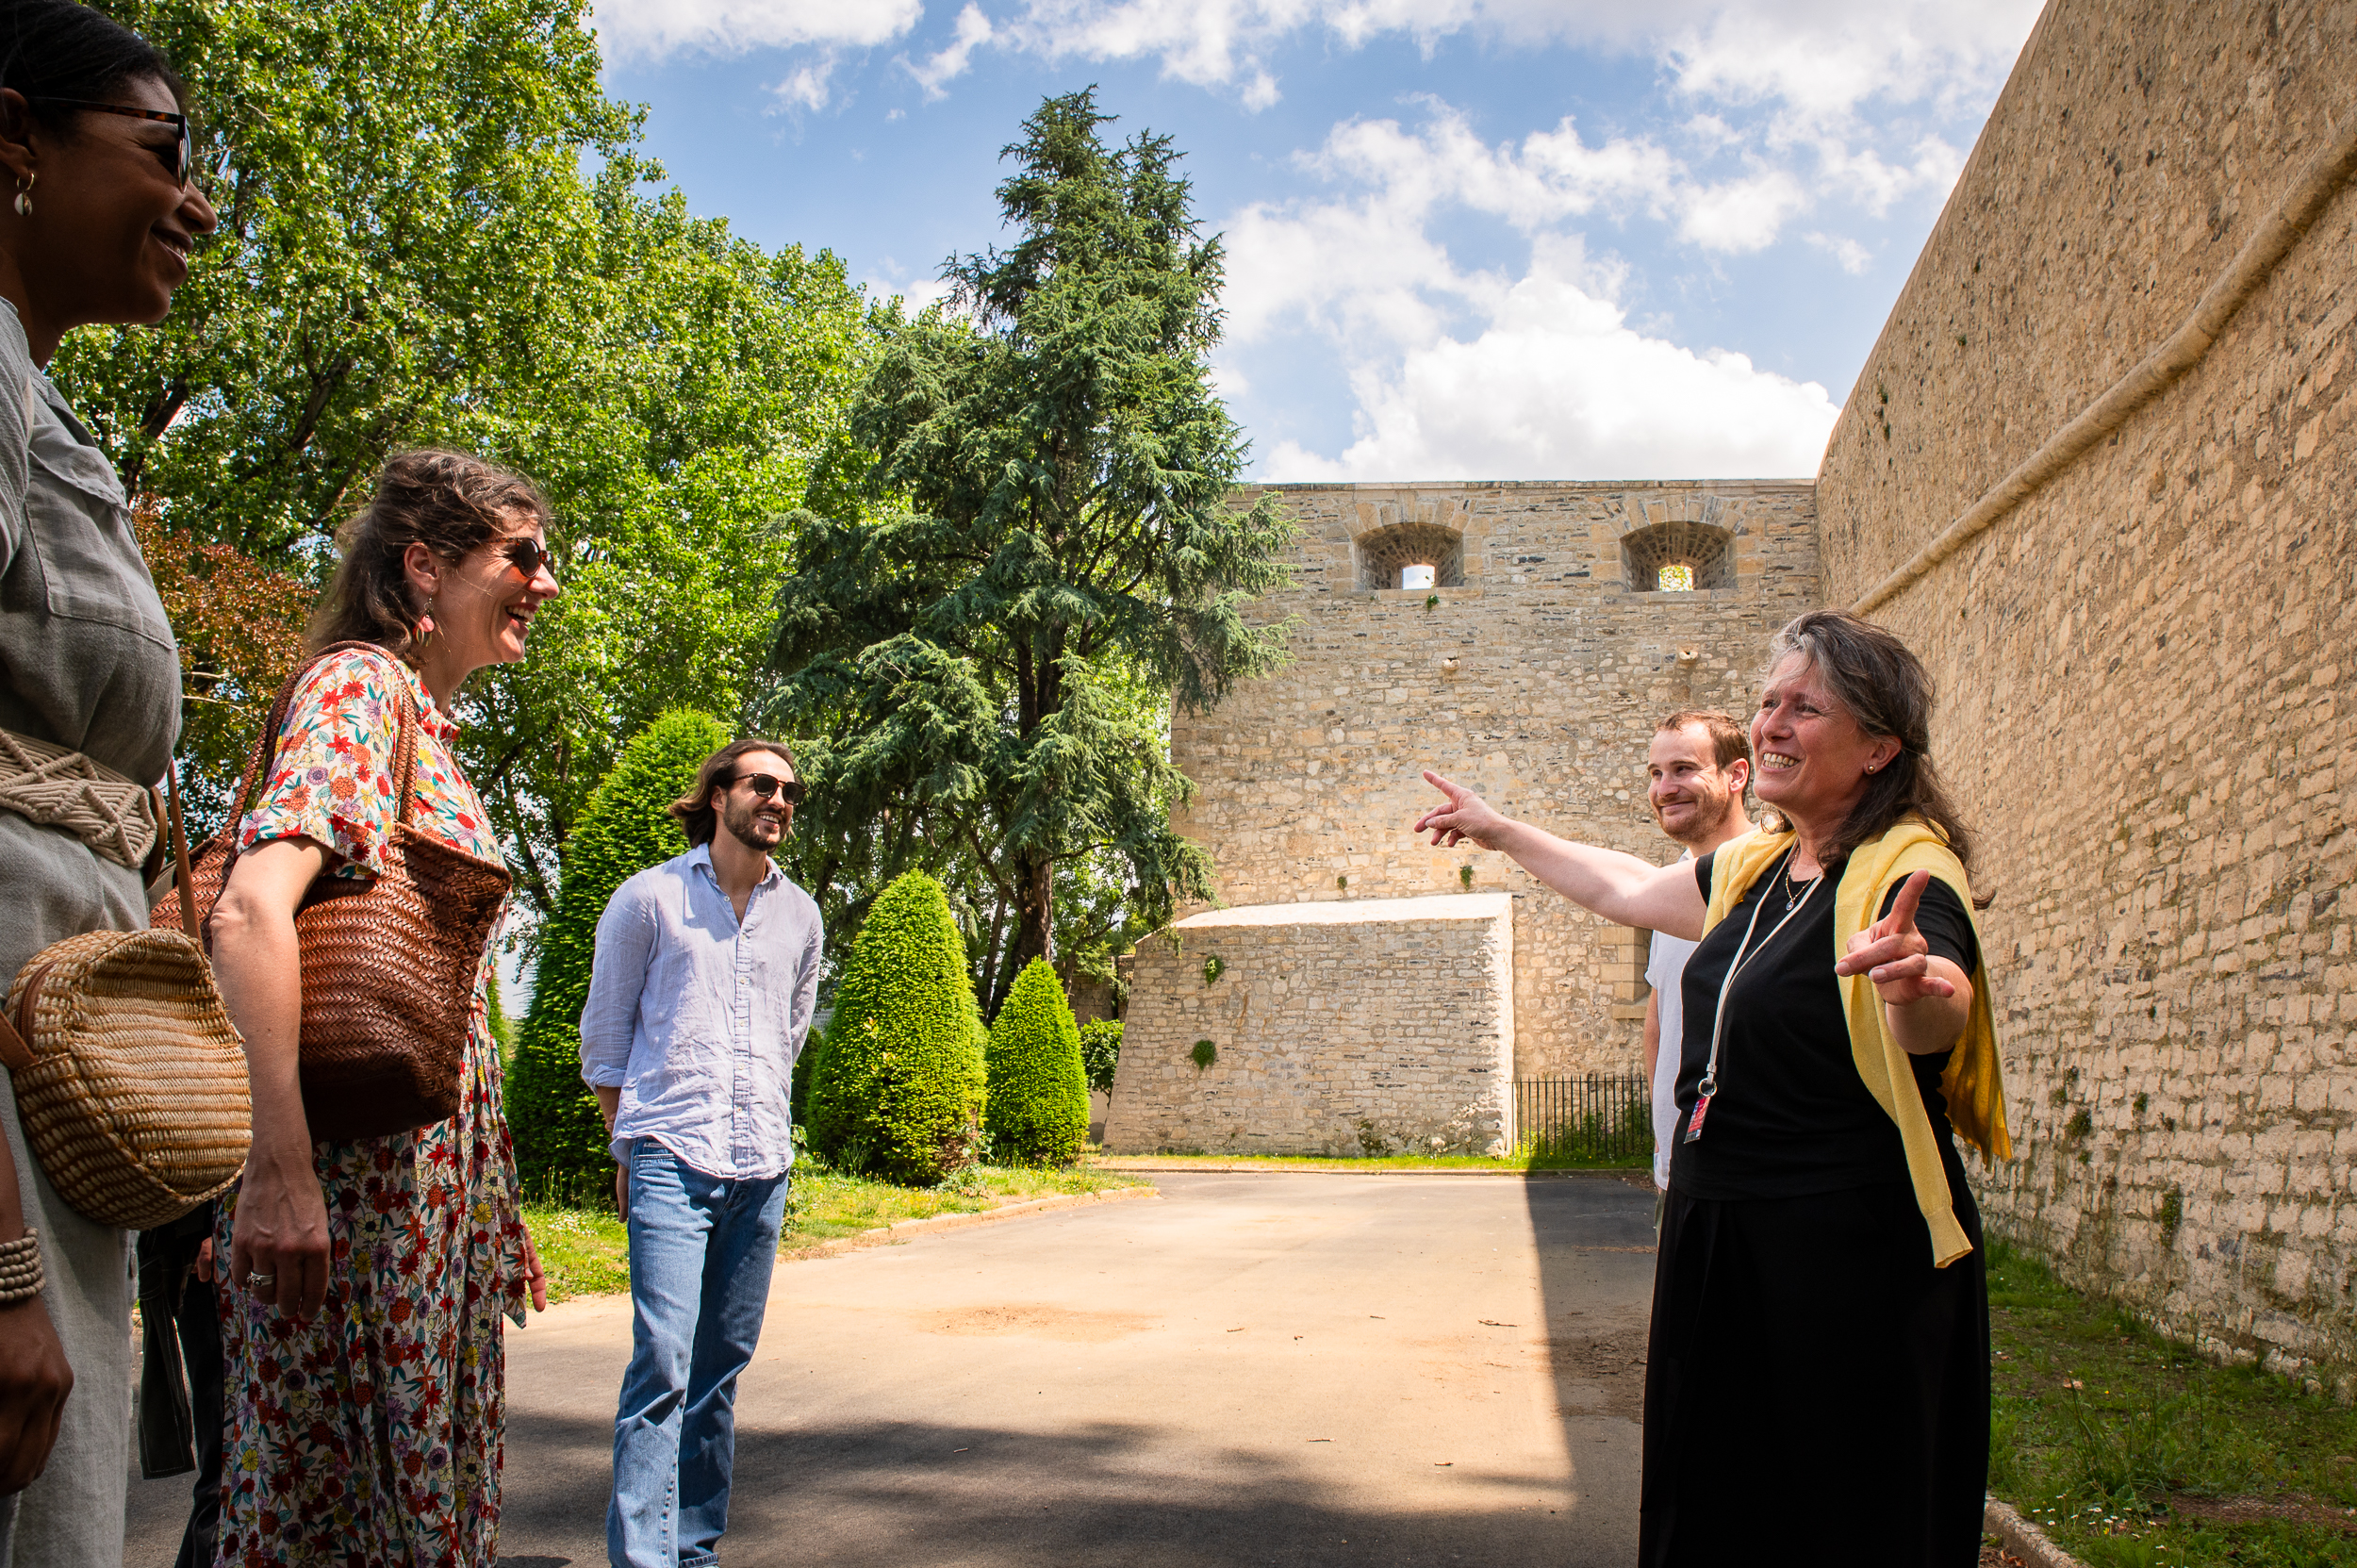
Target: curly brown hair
[
  {"x": 693, "y": 811},
  {"x": 453, "y": 502}
]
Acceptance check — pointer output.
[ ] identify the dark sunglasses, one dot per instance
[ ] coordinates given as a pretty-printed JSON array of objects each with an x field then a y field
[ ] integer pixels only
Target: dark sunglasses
[
  {"x": 528, "y": 556},
  {"x": 178, "y": 162},
  {"x": 766, "y": 784}
]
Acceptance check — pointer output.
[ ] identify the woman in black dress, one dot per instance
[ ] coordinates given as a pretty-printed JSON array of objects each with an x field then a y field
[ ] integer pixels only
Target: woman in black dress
[{"x": 1821, "y": 1317}]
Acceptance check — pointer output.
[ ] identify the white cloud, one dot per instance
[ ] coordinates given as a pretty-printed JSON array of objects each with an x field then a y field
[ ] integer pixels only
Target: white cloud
[
  {"x": 652, "y": 30},
  {"x": 974, "y": 30},
  {"x": 915, "y": 293},
  {"x": 1740, "y": 215},
  {"x": 1850, "y": 257},
  {"x": 1824, "y": 58},
  {"x": 807, "y": 87},
  {"x": 1556, "y": 385},
  {"x": 1460, "y": 372}
]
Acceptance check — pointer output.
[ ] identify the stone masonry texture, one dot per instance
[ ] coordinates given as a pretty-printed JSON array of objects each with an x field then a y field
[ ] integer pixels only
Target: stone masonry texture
[
  {"x": 2147, "y": 708},
  {"x": 1368, "y": 1026},
  {"x": 1537, "y": 678}
]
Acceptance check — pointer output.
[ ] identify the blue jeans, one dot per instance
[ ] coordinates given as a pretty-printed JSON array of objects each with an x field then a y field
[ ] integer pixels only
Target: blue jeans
[{"x": 701, "y": 1249}]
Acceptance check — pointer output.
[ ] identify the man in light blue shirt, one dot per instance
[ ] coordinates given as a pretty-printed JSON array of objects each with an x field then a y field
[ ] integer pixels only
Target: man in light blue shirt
[{"x": 700, "y": 998}]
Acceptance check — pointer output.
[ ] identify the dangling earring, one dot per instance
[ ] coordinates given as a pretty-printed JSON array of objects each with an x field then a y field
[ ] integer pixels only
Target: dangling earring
[
  {"x": 425, "y": 624},
  {"x": 24, "y": 195}
]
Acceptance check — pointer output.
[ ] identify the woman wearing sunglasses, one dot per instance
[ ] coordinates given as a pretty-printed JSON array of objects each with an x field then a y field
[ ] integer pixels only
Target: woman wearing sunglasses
[
  {"x": 97, "y": 221},
  {"x": 367, "y": 1279}
]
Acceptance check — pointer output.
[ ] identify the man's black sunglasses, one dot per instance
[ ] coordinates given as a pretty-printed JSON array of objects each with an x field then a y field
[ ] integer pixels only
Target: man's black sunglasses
[
  {"x": 179, "y": 164},
  {"x": 528, "y": 556},
  {"x": 766, "y": 784}
]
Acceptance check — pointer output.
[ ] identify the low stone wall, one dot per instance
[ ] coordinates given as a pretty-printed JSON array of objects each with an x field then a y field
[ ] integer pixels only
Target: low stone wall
[{"x": 1356, "y": 1027}]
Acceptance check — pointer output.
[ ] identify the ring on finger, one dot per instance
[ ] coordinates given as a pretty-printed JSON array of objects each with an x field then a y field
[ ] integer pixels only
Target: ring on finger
[{"x": 259, "y": 1282}]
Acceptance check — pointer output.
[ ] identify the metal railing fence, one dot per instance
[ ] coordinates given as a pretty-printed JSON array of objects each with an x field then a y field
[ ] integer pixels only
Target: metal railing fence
[{"x": 1597, "y": 1117}]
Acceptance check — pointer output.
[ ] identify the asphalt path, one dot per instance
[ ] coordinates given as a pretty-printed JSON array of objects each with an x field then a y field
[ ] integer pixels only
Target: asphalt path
[{"x": 1284, "y": 1369}]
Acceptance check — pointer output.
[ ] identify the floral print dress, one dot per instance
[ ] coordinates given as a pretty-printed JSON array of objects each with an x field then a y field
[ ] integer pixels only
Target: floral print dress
[{"x": 372, "y": 1435}]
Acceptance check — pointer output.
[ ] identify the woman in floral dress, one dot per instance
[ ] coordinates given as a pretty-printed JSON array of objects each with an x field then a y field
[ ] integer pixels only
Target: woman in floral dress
[{"x": 366, "y": 1281}]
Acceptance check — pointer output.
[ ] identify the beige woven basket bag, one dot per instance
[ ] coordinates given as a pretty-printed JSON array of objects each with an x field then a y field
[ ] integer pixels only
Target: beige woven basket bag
[{"x": 130, "y": 1079}]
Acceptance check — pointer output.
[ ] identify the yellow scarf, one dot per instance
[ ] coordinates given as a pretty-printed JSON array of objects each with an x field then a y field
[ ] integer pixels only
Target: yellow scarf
[{"x": 1975, "y": 1091}]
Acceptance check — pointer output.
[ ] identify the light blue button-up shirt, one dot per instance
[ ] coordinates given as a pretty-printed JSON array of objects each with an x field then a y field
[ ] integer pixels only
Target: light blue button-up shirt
[{"x": 698, "y": 1017}]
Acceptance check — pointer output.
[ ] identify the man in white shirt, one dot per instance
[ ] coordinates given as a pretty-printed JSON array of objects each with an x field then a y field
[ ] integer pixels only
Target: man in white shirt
[
  {"x": 700, "y": 998},
  {"x": 1700, "y": 764}
]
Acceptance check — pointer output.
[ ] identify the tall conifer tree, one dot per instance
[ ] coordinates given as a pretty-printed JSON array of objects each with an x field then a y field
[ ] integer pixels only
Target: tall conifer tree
[{"x": 1050, "y": 525}]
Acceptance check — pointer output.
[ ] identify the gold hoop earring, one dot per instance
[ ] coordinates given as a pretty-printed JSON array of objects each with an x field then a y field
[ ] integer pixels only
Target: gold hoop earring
[{"x": 24, "y": 195}]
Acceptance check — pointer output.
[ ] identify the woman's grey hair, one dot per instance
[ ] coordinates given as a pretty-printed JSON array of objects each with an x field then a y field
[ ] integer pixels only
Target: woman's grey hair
[{"x": 1889, "y": 693}]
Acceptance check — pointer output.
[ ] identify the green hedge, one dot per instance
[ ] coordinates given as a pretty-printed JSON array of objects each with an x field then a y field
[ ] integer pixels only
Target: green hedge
[
  {"x": 897, "y": 1087},
  {"x": 560, "y": 1138},
  {"x": 1100, "y": 1052},
  {"x": 1039, "y": 1095}
]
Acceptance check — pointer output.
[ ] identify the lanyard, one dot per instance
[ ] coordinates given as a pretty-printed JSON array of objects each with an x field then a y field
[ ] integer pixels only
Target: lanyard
[{"x": 1744, "y": 953}]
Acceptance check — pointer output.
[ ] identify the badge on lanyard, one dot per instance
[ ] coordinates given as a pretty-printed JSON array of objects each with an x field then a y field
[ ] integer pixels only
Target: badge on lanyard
[{"x": 1708, "y": 1089}]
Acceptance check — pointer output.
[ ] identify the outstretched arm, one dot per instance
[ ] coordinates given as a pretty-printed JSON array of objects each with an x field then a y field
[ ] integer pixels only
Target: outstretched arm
[
  {"x": 1622, "y": 888},
  {"x": 1927, "y": 1000}
]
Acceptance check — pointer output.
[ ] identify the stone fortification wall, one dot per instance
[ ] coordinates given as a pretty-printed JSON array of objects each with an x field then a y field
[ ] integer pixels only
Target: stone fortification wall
[
  {"x": 1364, "y": 1027},
  {"x": 2150, "y": 703},
  {"x": 1535, "y": 673}
]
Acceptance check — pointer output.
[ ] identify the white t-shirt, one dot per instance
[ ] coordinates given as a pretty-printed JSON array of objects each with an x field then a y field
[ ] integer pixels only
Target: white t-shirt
[{"x": 1664, "y": 969}]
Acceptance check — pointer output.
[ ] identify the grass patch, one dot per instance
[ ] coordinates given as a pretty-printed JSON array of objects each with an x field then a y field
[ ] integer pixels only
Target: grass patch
[
  {"x": 585, "y": 1252},
  {"x": 1526, "y": 1159},
  {"x": 2127, "y": 1448}
]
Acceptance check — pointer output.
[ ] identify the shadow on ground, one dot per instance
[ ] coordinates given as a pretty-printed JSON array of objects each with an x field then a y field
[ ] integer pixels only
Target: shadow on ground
[{"x": 1103, "y": 1494}]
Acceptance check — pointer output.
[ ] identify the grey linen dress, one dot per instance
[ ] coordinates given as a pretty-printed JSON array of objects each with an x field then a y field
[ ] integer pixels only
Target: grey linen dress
[{"x": 87, "y": 661}]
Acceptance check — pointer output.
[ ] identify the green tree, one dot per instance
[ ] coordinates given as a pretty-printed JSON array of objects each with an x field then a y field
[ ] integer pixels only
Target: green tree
[
  {"x": 560, "y": 1137},
  {"x": 898, "y": 1087},
  {"x": 1039, "y": 1093},
  {"x": 1100, "y": 1052},
  {"x": 988, "y": 663},
  {"x": 436, "y": 230}
]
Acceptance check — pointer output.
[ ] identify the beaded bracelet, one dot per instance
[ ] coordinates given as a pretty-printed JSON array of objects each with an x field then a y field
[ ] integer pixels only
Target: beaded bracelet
[{"x": 21, "y": 1278}]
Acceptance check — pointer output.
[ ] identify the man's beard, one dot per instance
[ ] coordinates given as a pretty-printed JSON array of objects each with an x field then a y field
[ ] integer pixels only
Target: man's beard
[
  {"x": 1700, "y": 828},
  {"x": 741, "y": 825}
]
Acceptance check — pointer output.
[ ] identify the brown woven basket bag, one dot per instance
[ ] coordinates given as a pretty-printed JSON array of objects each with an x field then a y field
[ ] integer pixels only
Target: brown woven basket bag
[
  {"x": 130, "y": 1079},
  {"x": 389, "y": 964}
]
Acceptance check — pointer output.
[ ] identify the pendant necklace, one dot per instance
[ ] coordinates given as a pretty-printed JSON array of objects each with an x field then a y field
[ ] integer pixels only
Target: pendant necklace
[
  {"x": 1795, "y": 894},
  {"x": 1744, "y": 952}
]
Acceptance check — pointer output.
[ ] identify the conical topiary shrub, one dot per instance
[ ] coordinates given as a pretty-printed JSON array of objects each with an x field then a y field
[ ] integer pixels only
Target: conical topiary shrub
[
  {"x": 1039, "y": 1095},
  {"x": 896, "y": 1089},
  {"x": 626, "y": 827}
]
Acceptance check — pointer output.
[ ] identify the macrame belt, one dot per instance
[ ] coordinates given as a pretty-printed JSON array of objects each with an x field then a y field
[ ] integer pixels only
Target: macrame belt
[{"x": 57, "y": 789}]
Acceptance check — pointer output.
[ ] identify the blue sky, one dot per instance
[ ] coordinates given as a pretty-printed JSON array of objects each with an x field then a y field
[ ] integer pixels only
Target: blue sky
[{"x": 1468, "y": 239}]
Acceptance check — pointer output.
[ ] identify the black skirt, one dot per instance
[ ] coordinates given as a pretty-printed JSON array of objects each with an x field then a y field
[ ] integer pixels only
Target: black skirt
[{"x": 1816, "y": 1392}]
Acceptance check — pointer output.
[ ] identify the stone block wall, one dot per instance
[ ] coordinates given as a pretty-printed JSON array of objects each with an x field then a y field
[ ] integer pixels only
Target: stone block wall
[
  {"x": 1365, "y": 1027},
  {"x": 1538, "y": 680},
  {"x": 2149, "y": 696}
]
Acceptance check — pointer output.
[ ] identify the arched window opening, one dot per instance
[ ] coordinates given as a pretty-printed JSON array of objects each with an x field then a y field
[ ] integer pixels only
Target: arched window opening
[
  {"x": 1410, "y": 555},
  {"x": 1678, "y": 557}
]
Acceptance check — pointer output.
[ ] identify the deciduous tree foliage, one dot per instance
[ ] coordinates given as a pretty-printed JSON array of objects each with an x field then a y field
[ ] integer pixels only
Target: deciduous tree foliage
[
  {"x": 898, "y": 1087},
  {"x": 1100, "y": 1052},
  {"x": 979, "y": 673},
  {"x": 435, "y": 230},
  {"x": 1039, "y": 1093},
  {"x": 626, "y": 828}
]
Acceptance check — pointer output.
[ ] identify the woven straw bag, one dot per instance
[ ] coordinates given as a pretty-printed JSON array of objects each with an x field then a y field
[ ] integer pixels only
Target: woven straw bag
[
  {"x": 389, "y": 964},
  {"x": 130, "y": 1080}
]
